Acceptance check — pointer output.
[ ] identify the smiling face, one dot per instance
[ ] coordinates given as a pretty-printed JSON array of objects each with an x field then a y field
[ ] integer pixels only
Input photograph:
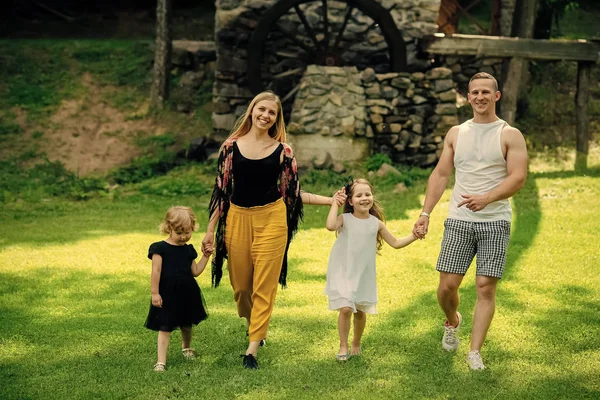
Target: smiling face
[
  {"x": 483, "y": 96},
  {"x": 264, "y": 114},
  {"x": 362, "y": 198},
  {"x": 181, "y": 236}
]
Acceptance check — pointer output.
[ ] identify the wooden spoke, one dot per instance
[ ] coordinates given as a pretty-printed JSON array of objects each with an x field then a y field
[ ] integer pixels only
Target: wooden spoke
[
  {"x": 343, "y": 28},
  {"x": 291, "y": 93},
  {"x": 291, "y": 72},
  {"x": 326, "y": 37},
  {"x": 294, "y": 39},
  {"x": 325, "y": 25},
  {"x": 307, "y": 26}
]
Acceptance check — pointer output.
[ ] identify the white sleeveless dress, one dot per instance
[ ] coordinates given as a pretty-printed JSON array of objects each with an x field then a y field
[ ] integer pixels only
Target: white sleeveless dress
[{"x": 351, "y": 271}]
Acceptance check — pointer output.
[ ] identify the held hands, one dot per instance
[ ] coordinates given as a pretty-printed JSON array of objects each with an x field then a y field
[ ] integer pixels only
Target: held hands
[
  {"x": 421, "y": 226},
  {"x": 208, "y": 244},
  {"x": 208, "y": 250},
  {"x": 157, "y": 300},
  {"x": 474, "y": 202},
  {"x": 339, "y": 197}
]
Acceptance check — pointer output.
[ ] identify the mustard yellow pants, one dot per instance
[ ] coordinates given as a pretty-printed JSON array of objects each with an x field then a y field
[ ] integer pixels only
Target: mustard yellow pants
[{"x": 256, "y": 238}]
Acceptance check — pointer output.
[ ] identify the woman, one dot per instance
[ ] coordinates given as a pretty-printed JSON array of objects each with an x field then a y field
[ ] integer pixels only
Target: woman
[{"x": 258, "y": 215}]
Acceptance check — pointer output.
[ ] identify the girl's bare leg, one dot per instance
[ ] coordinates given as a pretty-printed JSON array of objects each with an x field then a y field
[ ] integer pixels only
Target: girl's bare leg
[
  {"x": 186, "y": 337},
  {"x": 360, "y": 320},
  {"x": 344, "y": 328},
  {"x": 163, "y": 345}
]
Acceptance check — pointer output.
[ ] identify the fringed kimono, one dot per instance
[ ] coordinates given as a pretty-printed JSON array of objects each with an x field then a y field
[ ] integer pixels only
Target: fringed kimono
[{"x": 289, "y": 187}]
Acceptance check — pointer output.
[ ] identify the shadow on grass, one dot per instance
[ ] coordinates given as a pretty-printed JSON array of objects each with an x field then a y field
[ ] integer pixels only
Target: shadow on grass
[
  {"x": 78, "y": 335},
  {"x": 61, "y": 221}
]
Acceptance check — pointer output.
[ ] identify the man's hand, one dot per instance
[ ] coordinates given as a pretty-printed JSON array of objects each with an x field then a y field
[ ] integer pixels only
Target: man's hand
[
  {"x": 421, "y": 227},
  {"x": 474, "y": 202}
]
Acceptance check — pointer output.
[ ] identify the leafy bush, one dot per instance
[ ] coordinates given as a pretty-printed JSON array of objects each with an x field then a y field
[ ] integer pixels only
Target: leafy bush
[
  {"x": 375, "y": 162},
  {"x": 144, "y": 168},
  {"x": 175, "y": 186}
]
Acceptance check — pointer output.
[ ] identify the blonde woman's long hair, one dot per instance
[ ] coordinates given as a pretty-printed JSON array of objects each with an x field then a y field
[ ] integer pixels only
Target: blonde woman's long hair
[
  {"x": 244, "y": 123},
  {"x": 376, "y": 210}
]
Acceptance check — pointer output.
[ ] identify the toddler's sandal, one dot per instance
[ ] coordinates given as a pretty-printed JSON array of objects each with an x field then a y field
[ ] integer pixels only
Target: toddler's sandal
[
  {"x": 160, "y": 367},
  {"x": 189, "y": 353},
  {"x": 341, "y": 357}
]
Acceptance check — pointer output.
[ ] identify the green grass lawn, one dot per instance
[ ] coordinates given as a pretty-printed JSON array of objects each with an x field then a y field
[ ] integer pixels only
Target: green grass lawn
[{"x": 75, "y": 284}]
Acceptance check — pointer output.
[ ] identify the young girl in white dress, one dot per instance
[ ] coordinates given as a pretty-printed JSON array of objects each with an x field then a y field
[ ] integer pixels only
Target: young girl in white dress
[{"x": 351, "y": 276}]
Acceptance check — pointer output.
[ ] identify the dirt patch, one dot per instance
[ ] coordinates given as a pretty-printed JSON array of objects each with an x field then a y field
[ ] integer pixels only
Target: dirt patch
[{"x": 89, "y": 136}]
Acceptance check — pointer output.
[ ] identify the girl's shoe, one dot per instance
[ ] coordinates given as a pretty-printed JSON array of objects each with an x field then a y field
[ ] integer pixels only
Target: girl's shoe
[
  {"x": 159, "y": 367},
  {"x": 189, "y": 353},
  {"x": 341, "y": 357},
  {"x": 357, "y": 354}
]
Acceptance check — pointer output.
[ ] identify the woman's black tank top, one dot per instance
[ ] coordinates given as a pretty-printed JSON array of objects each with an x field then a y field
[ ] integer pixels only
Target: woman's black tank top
[{"x": 255, "y": 181}]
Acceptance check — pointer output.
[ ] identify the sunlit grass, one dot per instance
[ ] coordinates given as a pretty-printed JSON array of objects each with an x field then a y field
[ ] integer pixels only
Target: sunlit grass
[{"x": 74, "y": 294}]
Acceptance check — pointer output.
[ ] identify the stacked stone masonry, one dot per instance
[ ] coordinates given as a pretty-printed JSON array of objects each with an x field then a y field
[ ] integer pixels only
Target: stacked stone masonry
[{"x": 404, "y": 115}]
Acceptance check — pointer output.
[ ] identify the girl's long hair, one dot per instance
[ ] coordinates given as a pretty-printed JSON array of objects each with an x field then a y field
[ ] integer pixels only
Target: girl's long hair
[
  {"x": 244, "y": 123},
  {"x": 376, "y": 210}
]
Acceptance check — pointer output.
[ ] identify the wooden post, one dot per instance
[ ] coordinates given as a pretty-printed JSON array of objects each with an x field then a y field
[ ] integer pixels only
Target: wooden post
[
  {"x": 510, "y": 89},
  {"x": 581, "y": 103},
  {"x": 162, "y": 55},
  {"x": 516, "y": 67}
]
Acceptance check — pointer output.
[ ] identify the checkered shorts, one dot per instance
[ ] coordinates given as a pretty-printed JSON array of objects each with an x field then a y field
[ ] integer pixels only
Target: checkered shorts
[{"x": 464, "y": 239}]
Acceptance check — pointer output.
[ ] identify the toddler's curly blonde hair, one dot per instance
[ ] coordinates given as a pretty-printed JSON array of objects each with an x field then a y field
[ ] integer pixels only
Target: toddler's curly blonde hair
[{"x": 178, "y": 218}]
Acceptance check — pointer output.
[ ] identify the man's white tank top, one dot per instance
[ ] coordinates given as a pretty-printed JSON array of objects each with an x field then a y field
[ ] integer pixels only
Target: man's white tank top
[{"x": 480, "y": 167}]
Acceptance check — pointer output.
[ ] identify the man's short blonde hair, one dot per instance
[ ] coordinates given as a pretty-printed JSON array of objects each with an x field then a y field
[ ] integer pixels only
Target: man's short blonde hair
[{"x": 483, "y": 75}]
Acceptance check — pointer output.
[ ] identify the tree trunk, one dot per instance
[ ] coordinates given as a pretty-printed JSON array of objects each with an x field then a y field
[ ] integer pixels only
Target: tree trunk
[
  {"x": 507, "y": 9},
  {"x": 516, "y": 68},
  {"x": 581, "y": 104},
  {"x": 162, "y": 54}
]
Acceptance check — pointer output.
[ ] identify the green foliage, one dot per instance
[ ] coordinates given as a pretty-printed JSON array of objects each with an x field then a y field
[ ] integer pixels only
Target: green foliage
[
  {"x": 34, "y": 75},
  {"x": 156, "y": 142},
  {"x": 171, "y": 185},
  {"x": 547, "y": 114},
  {"x": 121, "y": 63},
  {"x": 9, "y": 129},
  {"x": 45, "y": 179},
  {"x": 322, "y": 178},
  {"x": 143, "y": 168},
  {"x": 375, "y": 162}
]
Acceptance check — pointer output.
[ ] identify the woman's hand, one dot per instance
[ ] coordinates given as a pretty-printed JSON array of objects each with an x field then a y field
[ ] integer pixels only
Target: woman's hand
[
  {"x": 208, "y": 244},
  {"x": 340, "y": 197}
]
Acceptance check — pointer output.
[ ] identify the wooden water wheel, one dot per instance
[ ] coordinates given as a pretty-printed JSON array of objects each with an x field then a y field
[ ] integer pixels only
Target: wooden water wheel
[{"x": 292, "y": 34}]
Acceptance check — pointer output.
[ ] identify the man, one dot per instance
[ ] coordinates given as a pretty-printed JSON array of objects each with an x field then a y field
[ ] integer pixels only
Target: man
[{"x": 490, "y": 161}]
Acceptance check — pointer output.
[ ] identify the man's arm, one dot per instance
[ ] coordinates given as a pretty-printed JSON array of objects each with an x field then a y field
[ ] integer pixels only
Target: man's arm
[
  {"x": 516, "y": 168},
  {"x": 438, "y": 180}
]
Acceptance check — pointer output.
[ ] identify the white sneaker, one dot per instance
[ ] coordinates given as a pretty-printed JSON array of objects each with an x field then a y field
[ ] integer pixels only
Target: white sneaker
[
  {"x": 450, "y": 342},
  {"x": 474, "y": 360}
]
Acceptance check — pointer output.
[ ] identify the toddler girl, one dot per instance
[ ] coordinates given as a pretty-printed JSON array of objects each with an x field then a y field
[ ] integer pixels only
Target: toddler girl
[{"x": 177, "y": 301}]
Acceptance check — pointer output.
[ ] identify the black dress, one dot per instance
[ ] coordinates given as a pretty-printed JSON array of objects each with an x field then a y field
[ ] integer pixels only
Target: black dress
[{"x": 183, "y": 304}]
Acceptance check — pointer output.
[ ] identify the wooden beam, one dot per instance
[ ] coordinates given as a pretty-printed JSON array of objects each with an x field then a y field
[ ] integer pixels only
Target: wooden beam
[
  {"x": 508, "y": 47},
  {"x": 581, "y": 104}
]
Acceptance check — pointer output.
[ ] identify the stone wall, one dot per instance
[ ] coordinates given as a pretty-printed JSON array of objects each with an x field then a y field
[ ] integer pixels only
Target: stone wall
[
  {"x": 410, "y": 113},
  {"x": 235, "y": 21},
  {"x": 348, "y": 114},
  {"x": 464, "y": 67}
]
